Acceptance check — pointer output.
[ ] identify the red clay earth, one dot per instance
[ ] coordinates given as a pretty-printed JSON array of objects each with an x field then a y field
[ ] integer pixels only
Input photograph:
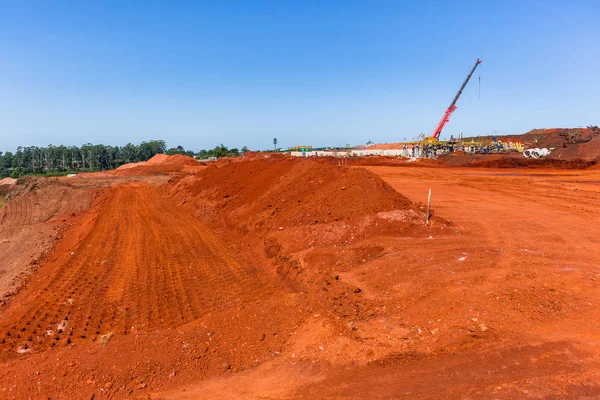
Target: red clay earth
[
  {"x": 279, "y": 278},
  {"x": 160, "y": 164},
  {"x": 30, "y": 224},
  {"x": 35, "y": 214}
]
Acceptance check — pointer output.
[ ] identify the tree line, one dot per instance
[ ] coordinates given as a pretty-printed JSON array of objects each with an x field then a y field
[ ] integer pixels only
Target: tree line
[
  {"x": 92, "y": 157},
  {"x": 220, "y": 151}
]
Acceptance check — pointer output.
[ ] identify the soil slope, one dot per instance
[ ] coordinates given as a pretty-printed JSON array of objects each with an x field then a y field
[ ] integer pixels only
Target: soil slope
[{"x": 35, "y": 212}]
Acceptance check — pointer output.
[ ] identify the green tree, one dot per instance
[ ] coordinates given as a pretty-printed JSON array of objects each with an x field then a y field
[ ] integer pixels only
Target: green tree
[
  {"x": 17, "y": 173},
  {"x": 220, "y": 151},
  {"x": 88, "y": 157},
  {"x": 149, "y": 149},
  {"x": 130, "y": 153}
]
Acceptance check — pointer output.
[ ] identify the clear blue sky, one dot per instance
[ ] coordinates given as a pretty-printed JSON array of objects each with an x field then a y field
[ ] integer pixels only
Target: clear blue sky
[{"x": 199, "y": 73}]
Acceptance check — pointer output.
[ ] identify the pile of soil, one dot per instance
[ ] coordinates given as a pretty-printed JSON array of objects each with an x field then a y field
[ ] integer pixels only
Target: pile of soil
[
  {"x": 307, "y": 217},
  {"x": 5, "y": 185},
  {"x": 269, "y": 192},
  {"x": 157, "y": 159},
  {"x": 8, "y": 181},
  {"x": 160, "y": 164}
]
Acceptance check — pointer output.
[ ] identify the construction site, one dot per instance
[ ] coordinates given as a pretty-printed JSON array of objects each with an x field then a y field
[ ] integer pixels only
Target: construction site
[
  {"x": 274, "y": 276},
  {"x": 460, "y": 268}
]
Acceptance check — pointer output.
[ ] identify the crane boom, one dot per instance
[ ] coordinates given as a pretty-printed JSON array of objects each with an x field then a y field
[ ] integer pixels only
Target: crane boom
[{"x": 450, "y": 110}]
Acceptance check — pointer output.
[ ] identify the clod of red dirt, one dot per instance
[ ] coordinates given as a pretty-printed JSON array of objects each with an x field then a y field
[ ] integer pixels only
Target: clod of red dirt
[{"x": 8, "y": 181}]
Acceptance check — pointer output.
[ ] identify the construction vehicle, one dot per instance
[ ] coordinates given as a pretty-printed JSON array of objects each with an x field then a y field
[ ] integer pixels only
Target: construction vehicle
[{"x": 434, "y": 138}]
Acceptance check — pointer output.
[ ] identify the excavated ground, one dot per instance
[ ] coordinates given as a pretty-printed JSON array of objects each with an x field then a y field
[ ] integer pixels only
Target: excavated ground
[
  {"x": 34, "y": 216},
  {"x": 572, "y": 148},
  {"x": 277, "y": 278}
]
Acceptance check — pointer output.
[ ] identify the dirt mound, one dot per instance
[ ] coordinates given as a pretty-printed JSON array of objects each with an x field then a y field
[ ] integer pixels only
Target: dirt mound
[
  {"x": 160, "y": 164},
  {"x": 299, "y": 213},
  {"x": 158, "y": 159},
  {"x": 8, "y": 181},
  {"x": 180, "y": 159},
  {"x": 6, "y": 185},
  {"x": 294, "y": 192},
  {"x": 229, "y": 288}
]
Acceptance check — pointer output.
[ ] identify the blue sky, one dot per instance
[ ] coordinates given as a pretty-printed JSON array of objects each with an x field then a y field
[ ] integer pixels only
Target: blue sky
[{"x": 200, "y": 73}]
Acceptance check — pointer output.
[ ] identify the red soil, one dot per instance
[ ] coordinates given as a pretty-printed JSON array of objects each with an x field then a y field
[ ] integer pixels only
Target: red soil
[
  {"x": 568, "y": 143},
  {"x": 294, "y": 192},
  {"x": 516, "y": 160},
  {"x": 35, "y": 212},
  {"x": 156, "y": 160},
  {"x": 160, "y": 164},
  {"x": 299, "y": 278},
  {"x": 132, "y": 283}
]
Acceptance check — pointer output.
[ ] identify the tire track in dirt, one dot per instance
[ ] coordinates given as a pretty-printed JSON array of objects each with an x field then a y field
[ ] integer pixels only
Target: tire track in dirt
[
  {"x": 145, "y": 264},
  {"x": 32, "y": 206}
]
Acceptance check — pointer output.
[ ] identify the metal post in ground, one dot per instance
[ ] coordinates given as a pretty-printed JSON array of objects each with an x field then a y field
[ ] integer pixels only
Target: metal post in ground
[{"x": 428, "y": 205}]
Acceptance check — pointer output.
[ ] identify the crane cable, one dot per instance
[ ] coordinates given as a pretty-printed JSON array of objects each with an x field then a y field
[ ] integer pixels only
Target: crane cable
[{"x": 479, "y": 83}]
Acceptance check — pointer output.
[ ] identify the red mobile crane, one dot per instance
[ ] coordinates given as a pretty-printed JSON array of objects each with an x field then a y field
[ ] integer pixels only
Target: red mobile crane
[{"x": 438, "y": 130}]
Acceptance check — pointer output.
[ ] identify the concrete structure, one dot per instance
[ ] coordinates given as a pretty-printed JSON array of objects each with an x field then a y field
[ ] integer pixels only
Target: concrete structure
[{"x": 350, "y": 152}]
